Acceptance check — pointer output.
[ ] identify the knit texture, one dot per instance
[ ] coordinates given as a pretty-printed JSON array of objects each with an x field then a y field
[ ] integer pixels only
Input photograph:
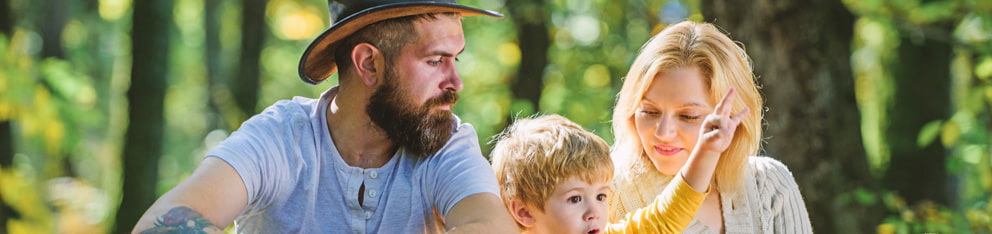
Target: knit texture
[{"x": 770, "y": 202}]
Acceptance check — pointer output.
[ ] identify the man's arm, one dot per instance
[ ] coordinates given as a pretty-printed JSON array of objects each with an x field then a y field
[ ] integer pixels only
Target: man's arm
[
  {"x": 480, "y": 213},
  {"x": 207, "y": 201}
]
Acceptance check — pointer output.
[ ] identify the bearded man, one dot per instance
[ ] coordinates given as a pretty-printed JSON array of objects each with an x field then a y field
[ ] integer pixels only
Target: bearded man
[{"x": 380, "y": 153}]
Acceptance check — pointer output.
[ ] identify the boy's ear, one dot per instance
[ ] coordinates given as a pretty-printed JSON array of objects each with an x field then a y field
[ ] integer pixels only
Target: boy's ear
[
  {"x": 522, "y": 213},
  {"x": 366, "y": 59}
]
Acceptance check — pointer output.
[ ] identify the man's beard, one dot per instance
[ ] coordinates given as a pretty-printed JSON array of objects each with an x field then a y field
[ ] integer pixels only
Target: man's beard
[{"x": 422, "y": 131}]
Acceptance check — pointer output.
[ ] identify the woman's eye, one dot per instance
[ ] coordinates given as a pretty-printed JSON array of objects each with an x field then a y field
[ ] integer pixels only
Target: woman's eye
[
  {"x": 574, "y": 199},
  {"x": 647, "y": 112},
  {"x": 601, "y": 197},
  {"x": 689, "y": 116}
]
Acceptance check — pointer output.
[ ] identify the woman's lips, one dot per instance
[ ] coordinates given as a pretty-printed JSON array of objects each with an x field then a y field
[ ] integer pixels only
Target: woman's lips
[{"x": 667, "y": 150}]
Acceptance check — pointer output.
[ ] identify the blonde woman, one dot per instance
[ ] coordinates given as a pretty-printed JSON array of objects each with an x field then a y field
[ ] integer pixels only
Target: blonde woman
[{"x": 662, "y": 112}]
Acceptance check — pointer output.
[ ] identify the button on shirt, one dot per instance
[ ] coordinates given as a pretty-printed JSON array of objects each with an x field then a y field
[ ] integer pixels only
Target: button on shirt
[{"x": 298, "y": 183}]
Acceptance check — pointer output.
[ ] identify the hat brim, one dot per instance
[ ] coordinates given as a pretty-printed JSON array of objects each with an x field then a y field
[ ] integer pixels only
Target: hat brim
[{"x": 317, "y": 63}]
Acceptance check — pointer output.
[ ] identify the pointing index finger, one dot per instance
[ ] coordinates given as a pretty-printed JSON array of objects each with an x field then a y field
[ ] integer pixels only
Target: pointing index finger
[{"x": 723, "y": 108}]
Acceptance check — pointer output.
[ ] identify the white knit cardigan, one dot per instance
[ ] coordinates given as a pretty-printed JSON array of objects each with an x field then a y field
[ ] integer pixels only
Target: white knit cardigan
[{"x": 771, "y": 202}]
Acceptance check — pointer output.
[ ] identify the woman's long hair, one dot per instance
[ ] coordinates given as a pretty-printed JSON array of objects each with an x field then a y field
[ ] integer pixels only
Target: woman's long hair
[{"x": 724, "y": 64}]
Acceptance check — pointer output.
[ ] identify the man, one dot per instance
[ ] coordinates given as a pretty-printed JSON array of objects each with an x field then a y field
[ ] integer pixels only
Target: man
[{"x": 380, "y": 153}]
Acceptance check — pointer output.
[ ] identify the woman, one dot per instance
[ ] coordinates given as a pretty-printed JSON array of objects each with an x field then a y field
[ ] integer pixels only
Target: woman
[{"x": 674, "y": 83}]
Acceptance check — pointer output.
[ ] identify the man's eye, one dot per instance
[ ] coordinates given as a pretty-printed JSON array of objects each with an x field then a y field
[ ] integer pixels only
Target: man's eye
[
  {"x": 434, "y": 62},
  {"x": 574, "y": 199}
]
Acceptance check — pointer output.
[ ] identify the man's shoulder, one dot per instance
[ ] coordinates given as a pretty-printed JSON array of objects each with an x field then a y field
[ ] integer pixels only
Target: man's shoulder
[
  {"x": 298, "y": 109},
  {"x": 463, "y": 138}
]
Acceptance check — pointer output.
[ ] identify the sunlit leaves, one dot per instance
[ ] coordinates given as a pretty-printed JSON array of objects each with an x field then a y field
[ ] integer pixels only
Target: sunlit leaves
[
  {"x": 596, "y": 76},
  {"x": 113, "y": 9},
  {"x": 19, "y": 191},
  {"x": 928, "y": 133},
  {"x": 875, "y": 42},
  {"x": 294, "y": 21},
  {"x": 983, "y": 70},
  {"x": 509, "y": 54},
  {"x": 967, "y": 25}
]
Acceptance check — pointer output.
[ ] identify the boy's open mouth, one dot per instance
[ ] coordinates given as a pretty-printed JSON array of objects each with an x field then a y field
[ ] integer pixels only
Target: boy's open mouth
[{"x": 593, "y": 231}]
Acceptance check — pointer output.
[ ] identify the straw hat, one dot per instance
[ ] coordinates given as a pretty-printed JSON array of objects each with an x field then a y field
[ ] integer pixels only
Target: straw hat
[{"x": 349, "y": 16}]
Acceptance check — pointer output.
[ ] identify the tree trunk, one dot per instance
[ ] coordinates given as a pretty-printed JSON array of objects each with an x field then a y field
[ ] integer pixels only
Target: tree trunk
[
  {"x": 6, "y": 20},
  {"x": 216, "y": 79},
  {"x": 150, "y": 32},
  {"x": 532, "y": 22},
  {"x": 921, "y": 94},
  {"x": 6, "y": 162},
  {"x": 253, "y": 34},
  {"x": 52, "y": 22},
  {"x": 801, "y": 53}
]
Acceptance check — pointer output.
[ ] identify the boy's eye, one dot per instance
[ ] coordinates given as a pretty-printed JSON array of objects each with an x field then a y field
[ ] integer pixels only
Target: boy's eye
[
  {"x": 574, "y": 199},
  {"x": 601, "y": 197}
]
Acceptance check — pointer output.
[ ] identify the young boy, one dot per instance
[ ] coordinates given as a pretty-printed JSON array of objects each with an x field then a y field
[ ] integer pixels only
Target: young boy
[{"x": 555, "y": 176}]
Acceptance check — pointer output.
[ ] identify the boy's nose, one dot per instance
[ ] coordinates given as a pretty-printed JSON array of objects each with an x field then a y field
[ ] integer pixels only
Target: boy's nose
[{"x": 592, "y": 213}]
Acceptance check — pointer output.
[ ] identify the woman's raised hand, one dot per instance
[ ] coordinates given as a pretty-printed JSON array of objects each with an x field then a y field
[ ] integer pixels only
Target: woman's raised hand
[{"x": 718, "y": 128}]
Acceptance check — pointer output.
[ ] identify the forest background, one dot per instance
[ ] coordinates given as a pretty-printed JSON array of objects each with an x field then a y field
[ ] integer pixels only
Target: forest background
[{"x": 882, "y": 109}]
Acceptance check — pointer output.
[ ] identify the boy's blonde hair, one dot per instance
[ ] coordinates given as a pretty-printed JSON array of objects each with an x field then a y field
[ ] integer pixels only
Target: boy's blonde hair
[{"x": 532, "y": 157}]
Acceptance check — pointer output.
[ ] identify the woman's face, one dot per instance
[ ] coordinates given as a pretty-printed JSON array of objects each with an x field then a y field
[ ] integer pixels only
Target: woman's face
[{"x": 669, "y": 116}]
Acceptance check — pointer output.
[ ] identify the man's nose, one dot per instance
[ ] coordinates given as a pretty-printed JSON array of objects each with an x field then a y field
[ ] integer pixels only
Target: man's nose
[{"x": 453, "y": 82}]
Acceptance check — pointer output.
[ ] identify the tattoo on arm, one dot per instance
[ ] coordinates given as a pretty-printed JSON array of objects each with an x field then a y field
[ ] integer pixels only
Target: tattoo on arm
[{"x": 182, "y": 220}]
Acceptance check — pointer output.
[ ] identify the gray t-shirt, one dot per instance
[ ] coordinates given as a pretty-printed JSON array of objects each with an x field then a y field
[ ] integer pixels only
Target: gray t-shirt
[{"x": 298, "y": 183}]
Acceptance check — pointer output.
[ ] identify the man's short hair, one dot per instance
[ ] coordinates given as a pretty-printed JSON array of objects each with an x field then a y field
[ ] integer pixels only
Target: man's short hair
[
  {"x": 532, "y": 157},
  {"x": 389, "y": 36}
]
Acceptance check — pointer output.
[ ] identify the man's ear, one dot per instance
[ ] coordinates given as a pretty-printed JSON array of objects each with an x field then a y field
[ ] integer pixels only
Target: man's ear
[
  {"x": 522, "y": 213},
  {"x": 366, "y": 58}
]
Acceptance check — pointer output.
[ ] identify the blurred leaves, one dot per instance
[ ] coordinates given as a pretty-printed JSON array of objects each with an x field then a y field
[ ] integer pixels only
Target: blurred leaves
[{"x": 965, "y": 133}]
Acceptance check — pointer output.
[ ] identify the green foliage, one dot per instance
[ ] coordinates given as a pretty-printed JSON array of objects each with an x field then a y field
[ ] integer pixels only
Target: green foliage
[
  {"x": 53, "y": 107},
  {"x": 965, "y": 133}
]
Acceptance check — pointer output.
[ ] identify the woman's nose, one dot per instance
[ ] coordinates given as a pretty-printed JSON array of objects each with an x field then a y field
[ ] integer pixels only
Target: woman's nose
[{"x": 665, "y": 129}]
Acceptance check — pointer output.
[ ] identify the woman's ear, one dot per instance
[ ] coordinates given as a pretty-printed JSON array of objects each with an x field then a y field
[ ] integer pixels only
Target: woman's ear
[
  {"x": 522, "y": 213},
  {"x": 366, "y": 58}
]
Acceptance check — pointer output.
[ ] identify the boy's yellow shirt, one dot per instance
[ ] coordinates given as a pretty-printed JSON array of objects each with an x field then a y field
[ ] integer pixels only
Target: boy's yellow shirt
[{"x": 671, "y": 211}]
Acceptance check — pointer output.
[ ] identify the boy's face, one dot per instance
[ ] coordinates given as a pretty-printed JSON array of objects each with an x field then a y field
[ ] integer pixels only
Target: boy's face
[{"x": 574, "y": 207}]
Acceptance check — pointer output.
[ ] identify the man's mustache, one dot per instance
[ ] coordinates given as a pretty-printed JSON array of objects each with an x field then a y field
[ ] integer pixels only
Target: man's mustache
[{"x": 446, "y": 98}]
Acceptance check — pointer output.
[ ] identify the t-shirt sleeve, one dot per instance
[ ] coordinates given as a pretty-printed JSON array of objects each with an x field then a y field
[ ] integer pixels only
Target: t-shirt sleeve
[
  {"x": 671, "y": 212},
  {"x": 260, "y": 152},
  {"x": 459, "y": 170}
]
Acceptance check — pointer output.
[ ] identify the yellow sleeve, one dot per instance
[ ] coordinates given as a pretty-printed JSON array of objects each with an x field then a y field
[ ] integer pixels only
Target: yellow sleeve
[{"x": 671, "y": 211}]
